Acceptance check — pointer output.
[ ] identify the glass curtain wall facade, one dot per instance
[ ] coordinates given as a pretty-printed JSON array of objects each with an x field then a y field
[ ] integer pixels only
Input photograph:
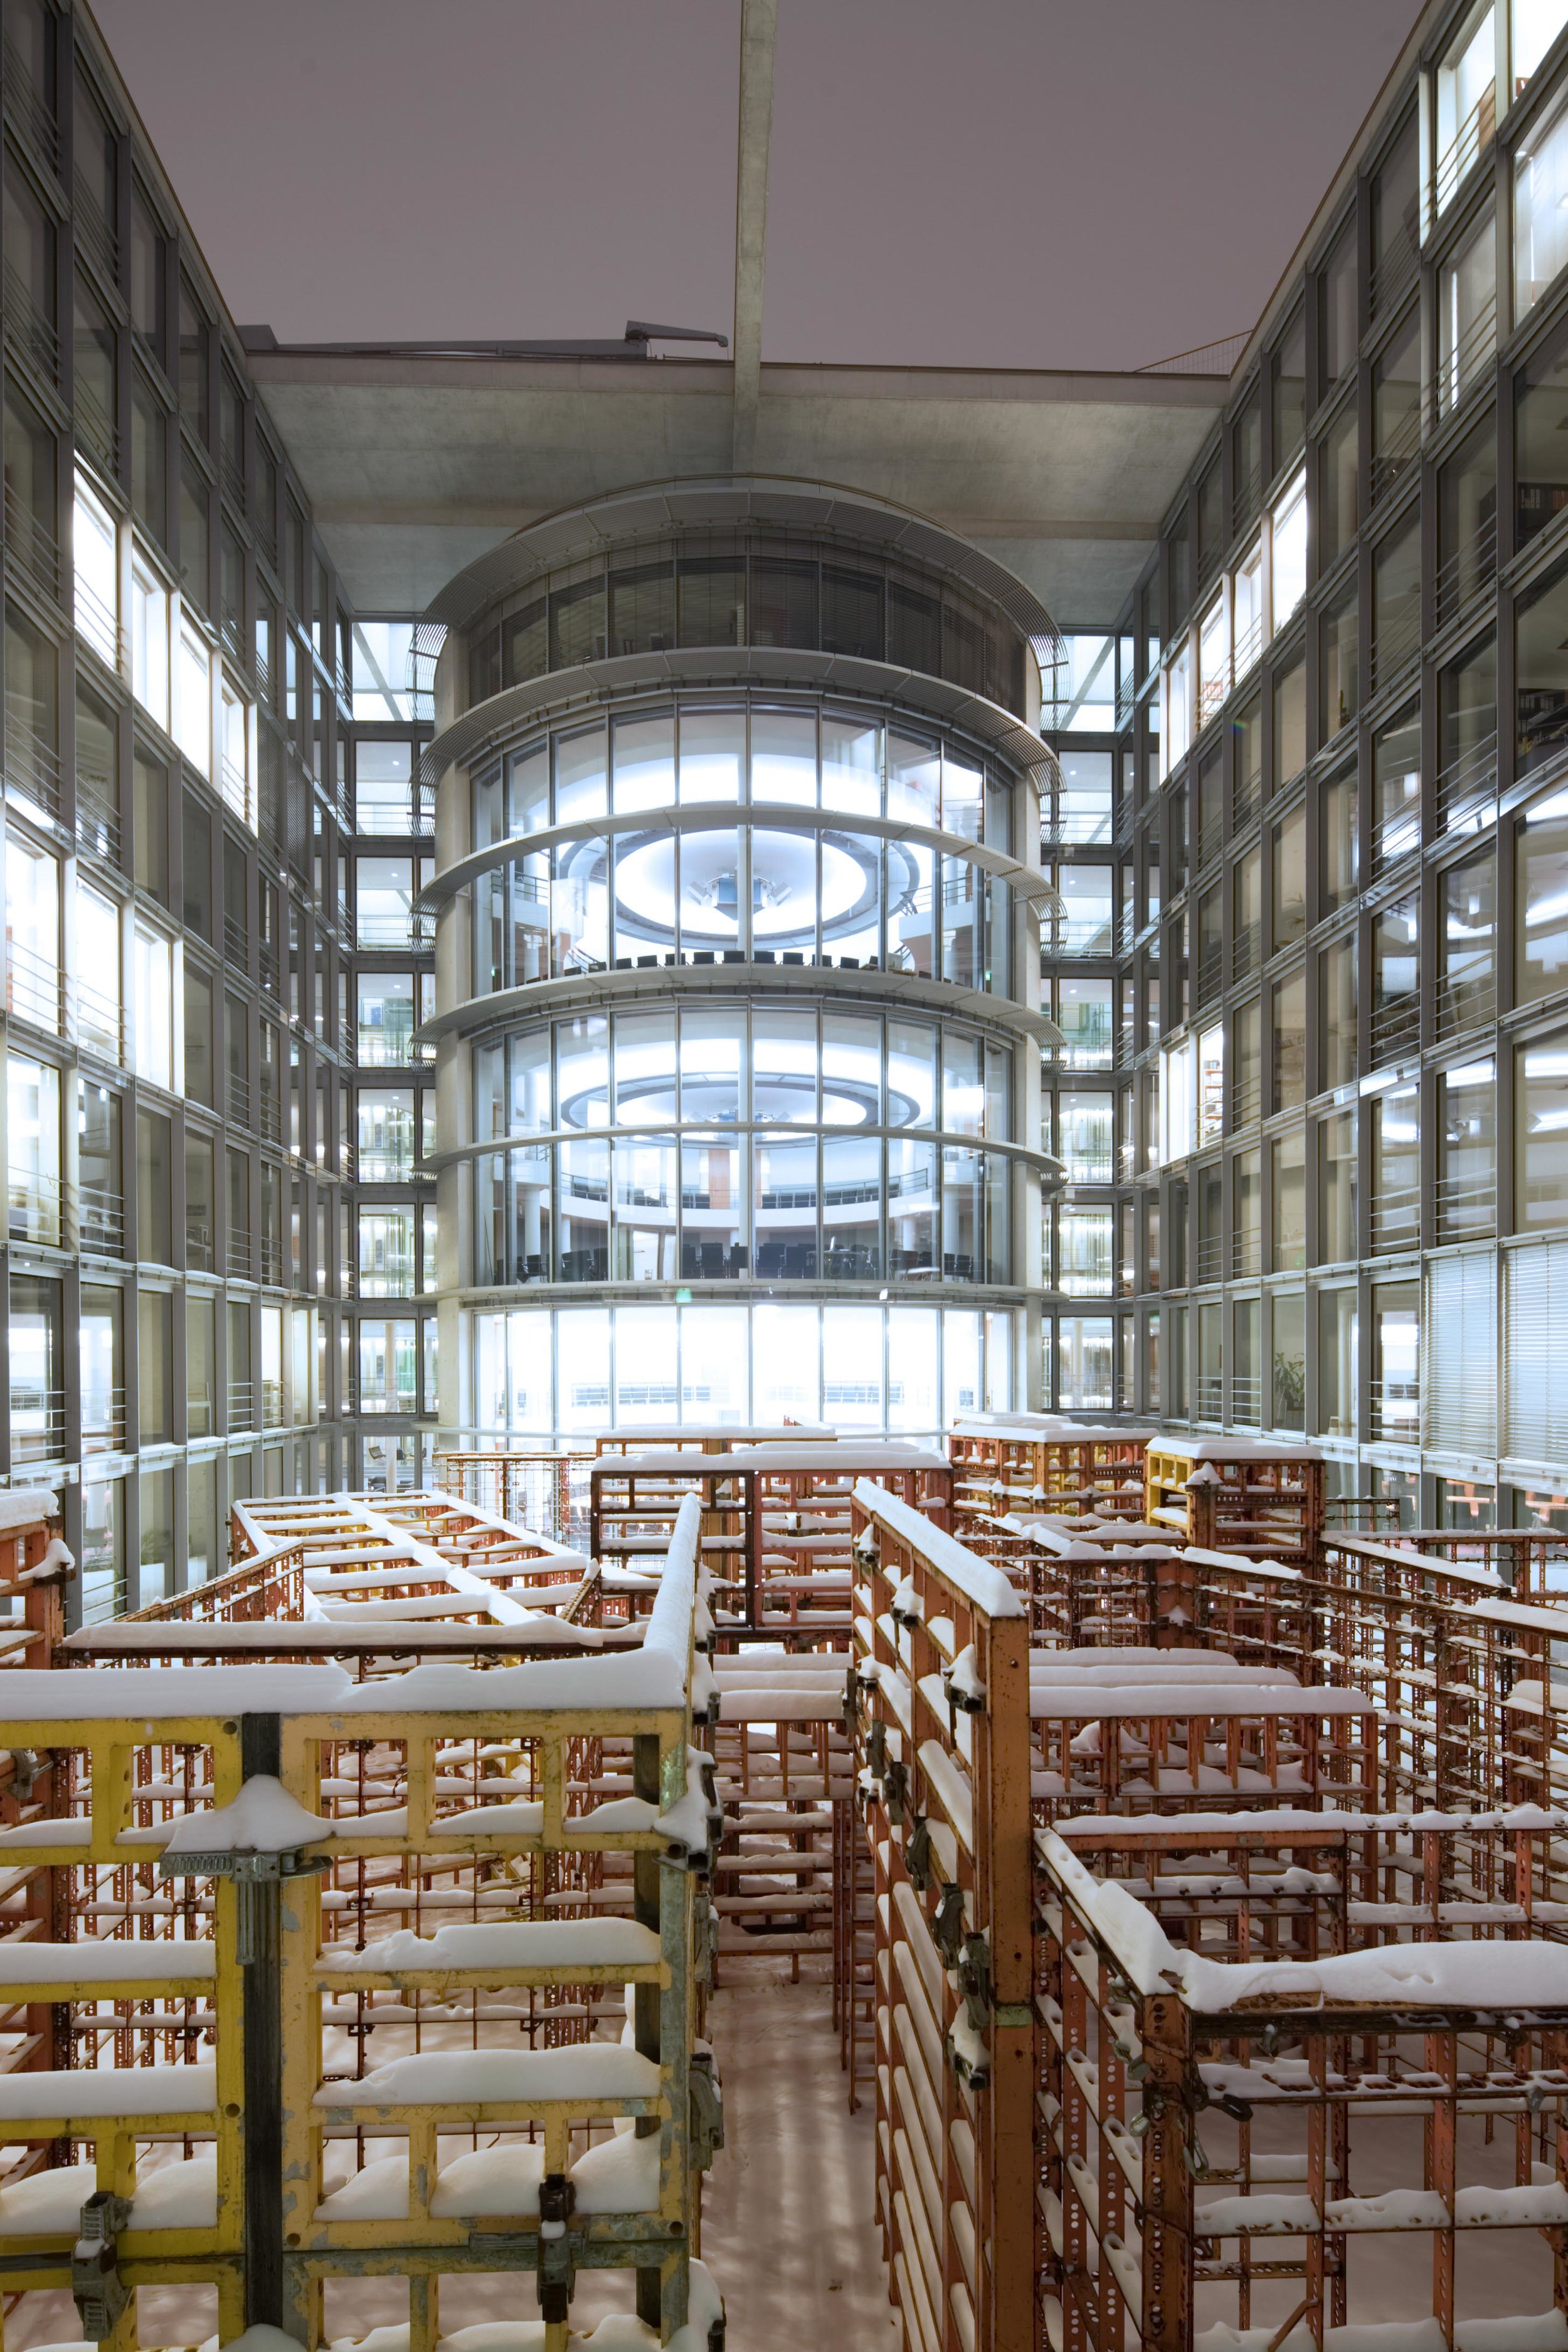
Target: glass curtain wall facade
[
  {"x": 738, "y": 999},
  {"x": 183, "y": 1007},
  {"x": 1342, "y": 997}
]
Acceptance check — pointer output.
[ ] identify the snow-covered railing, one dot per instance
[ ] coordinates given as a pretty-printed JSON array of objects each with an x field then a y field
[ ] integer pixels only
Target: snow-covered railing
[
  {"x": 1226, "y": 2039},
  {"x": 941, "y": 1671},
  {"x": 323, "y": 1931},
  {"x": 1004, "y": 1462}
]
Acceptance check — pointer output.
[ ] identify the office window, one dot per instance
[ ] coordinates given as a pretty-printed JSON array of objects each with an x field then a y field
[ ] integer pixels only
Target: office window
[
  {"x": 155, "y": 1365},
  {"x": 1338, "y": 321},
  {"x": 98, "y": 959},
  {"x": 1396, "y": 1362},
  {"x": 1540, "y": 1132},
  {"x": 1542, "y": 898},
  {"x": 1396, "y": 217},
  {"x": 1338, "y": 1233},
  {"x": 1535, "y": 26},
  {"x": 1084, "y": 1251},
  {"x": 150, "y": 642},
  {"x": 1337, "y": 987},
  {"x": 1541, "y": 206},
  {"x": 95, "y": 557},
  {"x": 1289, "y": 392},
  {"x": 151, "y": 813},
  {"x": 388, "y": 1367},
  {"x": 32, "y": 935},
  {"x": 100, "y": 1184},
  {"x": 32, "y": 716},
  {"x": 1395, "y": 1169},
  {"x": 1340, "y": 668},
  {"x": 1289, "y": 1001},
  {"x": 1339, "y": 503},
  {"x": 1466, "y": 981},
  {"x": 1467, "y": 312},
  {"x": 1466, "y": 93},
  {"x": 154, "y": 1171},
  {"x": 1287, "y": 1170},
  {"x": 33, "y": 1150},
  {"x": 1395, "y": 980},
  {"x": 1396, "y": 786},
  {"x": 157, "y": 1542},
  {"x": 1290, "y": 724},
  {"x": 385, "y": 897},
  {"x": 385, "y": 1135},
  {"x": 1466, "y": 1151},
  {"x": 152, "y": 1007},
  {"x": 1468, "y": 518},
  {"x": 1339, "y": 807},
  {"x": 149, "y": 458},
  {"x": 1540, "y": 660},
  {"x": 1290, "y": 551},
  {"x": 386, "y": 1253},
  {"x": 194, "y": 714},
  {"x": 1338, "y": 1350},
  {"x": 200, "y": 1205},
  {"x": 1288, "y": 867}
]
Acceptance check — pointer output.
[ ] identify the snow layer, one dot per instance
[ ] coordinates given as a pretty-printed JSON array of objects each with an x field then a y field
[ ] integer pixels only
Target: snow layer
[
  {"x": 26, "y": 1507},
  {"x": 533, "y": 1943},
  {"x": 976, "y": 1578},
  {"x": 108, "y": 2090},
  {"x": 588, "y": 2069},
  {"x": 263, "y": 1819},
  {"x": 100, "y": 1961}
]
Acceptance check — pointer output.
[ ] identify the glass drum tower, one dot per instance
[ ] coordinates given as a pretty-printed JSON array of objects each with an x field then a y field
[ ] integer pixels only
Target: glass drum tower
[{"x": 737, "y": 949}]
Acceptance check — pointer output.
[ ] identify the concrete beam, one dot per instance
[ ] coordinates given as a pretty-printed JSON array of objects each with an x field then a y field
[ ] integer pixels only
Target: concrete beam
[{"x": 759, "y": 37}]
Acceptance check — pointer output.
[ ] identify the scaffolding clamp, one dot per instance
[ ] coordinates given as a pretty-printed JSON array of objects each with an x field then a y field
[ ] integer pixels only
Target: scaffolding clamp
[
  {"x": 557, "y": 2270},
  {"x": 99, "y": 2291},
  {"x": 947, "y": 1924},
  {"x": 918, "y": 1851},
  {"x": 252, "y": 1868},
  {"x": 707, "y": 2121}
]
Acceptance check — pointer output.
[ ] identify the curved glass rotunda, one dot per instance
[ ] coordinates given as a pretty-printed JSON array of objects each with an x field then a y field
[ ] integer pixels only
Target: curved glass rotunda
[{"x": 737, "y": 939}]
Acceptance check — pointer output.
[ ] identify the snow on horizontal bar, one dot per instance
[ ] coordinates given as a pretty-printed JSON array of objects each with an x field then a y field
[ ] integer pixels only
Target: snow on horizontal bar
[
  {"x": 477, "y": 2078},
  {"x": 986, "y": 1586},
  {"x": 531, "y": 1944}
]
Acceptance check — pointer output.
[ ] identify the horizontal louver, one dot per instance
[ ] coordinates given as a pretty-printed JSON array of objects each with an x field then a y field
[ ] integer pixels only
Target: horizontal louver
[
  {"x": 1459, "y": 1339},
  {"x": 1535, "y": 1325}
]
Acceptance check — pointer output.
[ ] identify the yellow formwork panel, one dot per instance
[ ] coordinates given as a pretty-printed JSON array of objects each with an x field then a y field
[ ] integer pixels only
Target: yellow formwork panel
[{"x": 121, "y": 1777}]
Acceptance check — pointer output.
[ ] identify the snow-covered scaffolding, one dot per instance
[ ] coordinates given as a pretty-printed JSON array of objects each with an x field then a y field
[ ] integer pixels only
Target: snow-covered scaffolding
[{"x": 338, "y": 2004}]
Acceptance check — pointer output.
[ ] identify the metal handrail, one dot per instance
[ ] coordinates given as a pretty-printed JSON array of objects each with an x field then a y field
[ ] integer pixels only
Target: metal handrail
[
  {"x": 38, "y": 1423},
  {"x": 99, "y": 1019},
  {"x": 1465, "y": 147},
  {"x": 92, "y": 227},
  {"x": 1391, "y": 650},
  {"x": 101, "y": 1218},
  {"x": 25, "y": 106},
  {"x": 102, "y": 1420},
  {"x": 34, "y": 987},
  {"x": 30, "y": 541},
  {"x": 1396, "y": 1217},
  {"x": 242, "y": 1405},
  {"x": 94, "y": 425},
  {"x": 33, "y": 1209},
  {"x": 1456, "y": 368},
  {"x": 1389, "y": 1423},
  {"x": 1465, "y": 1204},
  {"x": 1390, "y": 461},
  {"x": 1466, "y": 1000},
  {"x": 32, "y": 764},
  {"x": 27, "y": 326},
  {"x": 97, "y": 819},
  {"x": 1467, "y": 783},
  {"x": 1480, "y": 555},
  {"x": 97, "y": 622},
  {"x": 1395, "y": 1026}
]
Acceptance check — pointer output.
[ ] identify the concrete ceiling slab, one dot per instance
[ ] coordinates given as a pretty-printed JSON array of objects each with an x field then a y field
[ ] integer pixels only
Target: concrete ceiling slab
[{"x": 414, "y": 465}]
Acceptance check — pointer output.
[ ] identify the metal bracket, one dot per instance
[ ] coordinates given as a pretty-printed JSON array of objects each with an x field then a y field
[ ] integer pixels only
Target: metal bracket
[
  {"x": 918, "y": 1851},
  {"x": 706, "y": 2125},
  {"x": 25, "y": 1768},
  {"x": 896, "y": 1784},
  {"x": 99, "y": 2291},
  {"x": 876, "y": 1747},
  {"x": 974, "y": 1982},
  {"x": 557, "y": 2270},
  {"x": 947, "y": 1925},
  {"x": 294, "y": 1863}
]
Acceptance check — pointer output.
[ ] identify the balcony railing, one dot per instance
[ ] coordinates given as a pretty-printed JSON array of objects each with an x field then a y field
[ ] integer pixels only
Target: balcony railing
[
  {"x": 238, "y": 1100},
  {"x": 95, "y": 427},
  {"x": 34, "y": 987},
  {"x": 1246, "y": 1399},
  {"x": 201, "y": 1412},
  {"x": 1397, "y": 833},
  {"x": 1392, "y": 272},
  {"x": 1466, "y": 573},
  {"x": 35, "y": 1201},
  {"x": 272, "y": 1405},
  {"x": 1396, "y": 1412},
  {"x": 37, "y": 1423},
  {"x": 242, "y": 1406},
  {"x": 1208, "y": 1396},
  {"x": 98, "y": 622},
  {"x": 1396, "y": 1218},
  {"x": 1245, "y": 799},
  {"x": 1395, "y": 1027},
  {"x": 1210, "y": 976},
  {"x": 1208, "y": 1259},
  {"x": 1246, "y": 1253},
  {"x": 30, "y": 544},
  {"x": 1398, "y": 450},
  {"x": 1394, "y": 645},
  {"x": 1458, "y": 369},
  {"x": 1466, "y": 789},
  {"x": 1246, "y": 1101},
  {"x": 26, "y": 110},
  {"x": 1465, "y": 148},
  {"x": 237, "y": 1261},
  {"x": 201, "y": 1244},
  {"x": 1467, "y": 1206},
  {"x": 103, "y": 1419},
  {"x": 31, "y": 765},
  {"x": 1247, "y": 647},
  {"x": 93, "y": 231},
  {"x": 96, "y": 821},
  {"x": 27, "y": 330},
  {"x": 1466, "y": 1000},
  {"x": 101, "y": 1217},
  {"x": 100, "y": 1021},
  {"x": 1244, "y": 947}
]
